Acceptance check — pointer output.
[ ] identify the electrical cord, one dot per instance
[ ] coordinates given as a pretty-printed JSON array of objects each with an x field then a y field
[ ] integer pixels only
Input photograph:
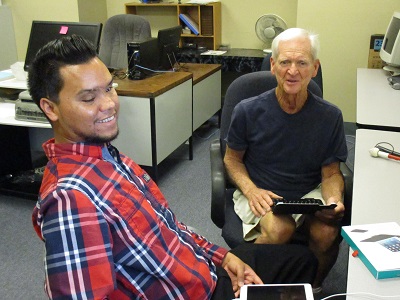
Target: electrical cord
[{"x": 363, "y": 295}]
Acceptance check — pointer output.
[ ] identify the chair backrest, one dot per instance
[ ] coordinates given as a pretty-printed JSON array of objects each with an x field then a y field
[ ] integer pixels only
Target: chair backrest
[
  {"x": 246, "y": 86},
  {"x": 118, "y": 31},
  {"x": 266, "y": 66}
]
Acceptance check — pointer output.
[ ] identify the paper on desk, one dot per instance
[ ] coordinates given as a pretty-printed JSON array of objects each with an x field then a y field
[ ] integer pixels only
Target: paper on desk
[
  {"x": 7, "y": 74},
  {"x": 14, "y": 84},
  {"x": 213, "y": 52}
]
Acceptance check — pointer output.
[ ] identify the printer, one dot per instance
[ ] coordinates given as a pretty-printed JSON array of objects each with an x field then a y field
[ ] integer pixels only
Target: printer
[{"x": 27, "y": 110}]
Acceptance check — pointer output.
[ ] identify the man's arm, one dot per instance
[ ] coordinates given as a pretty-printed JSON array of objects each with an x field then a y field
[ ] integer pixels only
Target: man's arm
[
  {"x": 332, "y": 186},
  {"x": 259, "y": 199},
  {"x": 78, "y": 259}
]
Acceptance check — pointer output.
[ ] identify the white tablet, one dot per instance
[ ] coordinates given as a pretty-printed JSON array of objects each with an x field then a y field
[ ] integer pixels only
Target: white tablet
[{"x": 277, "y": 292}]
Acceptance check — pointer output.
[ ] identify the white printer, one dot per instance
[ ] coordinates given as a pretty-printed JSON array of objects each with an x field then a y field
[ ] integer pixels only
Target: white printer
[{"x": 27, "y": 110}]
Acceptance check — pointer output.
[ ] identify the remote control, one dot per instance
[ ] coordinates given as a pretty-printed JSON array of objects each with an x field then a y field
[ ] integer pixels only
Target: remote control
[{"x": 299, "y": 206}]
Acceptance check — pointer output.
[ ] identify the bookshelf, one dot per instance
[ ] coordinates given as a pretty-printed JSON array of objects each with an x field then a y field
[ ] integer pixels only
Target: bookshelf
[{"x": 207, "y": 17}]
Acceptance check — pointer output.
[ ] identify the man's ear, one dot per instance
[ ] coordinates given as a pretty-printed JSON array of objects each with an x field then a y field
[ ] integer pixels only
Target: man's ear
[
  {"x": 272, "y": 65},
  {"x": 49, "y": 108},
  {"x": 316, "y": 67}
]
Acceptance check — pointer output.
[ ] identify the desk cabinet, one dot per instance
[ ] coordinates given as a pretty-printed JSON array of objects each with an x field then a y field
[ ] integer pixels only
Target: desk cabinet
[
  {"x": 155, "y": 117},
  {"x": 208, "y": 17}
]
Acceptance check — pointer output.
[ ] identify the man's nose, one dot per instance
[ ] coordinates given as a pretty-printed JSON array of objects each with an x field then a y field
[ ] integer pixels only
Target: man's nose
[
  {"x": 293, "y": 68},
  {"x": 107, "y": 100}
]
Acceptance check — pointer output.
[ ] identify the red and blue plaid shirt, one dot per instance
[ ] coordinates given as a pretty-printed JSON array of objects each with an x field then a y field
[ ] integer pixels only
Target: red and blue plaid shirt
[{"x": 109, "y": 233}]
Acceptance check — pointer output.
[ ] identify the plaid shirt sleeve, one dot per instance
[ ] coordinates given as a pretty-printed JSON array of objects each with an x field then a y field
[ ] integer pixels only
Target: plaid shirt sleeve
[
  {"x": 215, "y": 252},
  {"x": 78, "y": 247}
]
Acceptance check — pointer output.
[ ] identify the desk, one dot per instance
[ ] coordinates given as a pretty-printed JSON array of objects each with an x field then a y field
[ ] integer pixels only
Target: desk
[
  {"x": 159, "y": 113},
  {"x": 38, "y": 132},
  {"x": 376, "y": 193},
  {"x": 235, "y": 59},
  {"x": 155, "y": 117},
  {"x": 378, "y": 104},
  {"x": 206, "y": 91},
  {"x": 21, "y": 151}
]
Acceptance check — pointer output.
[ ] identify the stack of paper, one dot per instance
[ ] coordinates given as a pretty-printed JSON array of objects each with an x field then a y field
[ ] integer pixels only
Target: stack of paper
[
  {"x": 7, "y": 74},
  {"x": 378, "y": 247}
]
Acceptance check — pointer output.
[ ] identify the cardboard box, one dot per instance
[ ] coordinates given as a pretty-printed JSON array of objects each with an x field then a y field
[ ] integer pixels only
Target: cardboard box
[
  {"x": 374, "y": 60},
  {"x": 378, "y": 247}
]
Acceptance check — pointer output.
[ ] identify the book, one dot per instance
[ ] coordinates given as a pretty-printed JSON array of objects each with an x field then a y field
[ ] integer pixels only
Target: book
[
  {"x": 189, "y": 22},
  {"x": 378, "y": 247}
]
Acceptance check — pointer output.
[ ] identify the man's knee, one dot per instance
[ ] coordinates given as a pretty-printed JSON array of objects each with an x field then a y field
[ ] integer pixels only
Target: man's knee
[
  {"x": 277, "y": 232},
  {"x": 324, "y": 236}
]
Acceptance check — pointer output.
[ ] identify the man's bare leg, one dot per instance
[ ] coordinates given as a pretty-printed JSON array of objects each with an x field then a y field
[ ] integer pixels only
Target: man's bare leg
[{"x": 324, "y": 243}]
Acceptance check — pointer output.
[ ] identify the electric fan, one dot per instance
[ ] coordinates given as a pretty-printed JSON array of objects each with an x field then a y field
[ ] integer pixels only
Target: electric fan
[{"x": 268, "y": 27}]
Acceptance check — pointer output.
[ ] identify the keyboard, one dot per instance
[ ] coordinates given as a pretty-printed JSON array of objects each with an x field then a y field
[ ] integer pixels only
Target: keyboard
[{"x": 299, "y": 206}]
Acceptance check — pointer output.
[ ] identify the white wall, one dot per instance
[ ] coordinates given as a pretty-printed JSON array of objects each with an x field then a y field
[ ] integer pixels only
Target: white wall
[
  {"x": 344, "y": 26},
  {"x": 8, "y": 50}
]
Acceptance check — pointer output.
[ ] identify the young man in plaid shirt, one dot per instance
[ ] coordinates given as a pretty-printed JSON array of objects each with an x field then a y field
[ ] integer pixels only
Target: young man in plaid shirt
[{"x": 107, "y": 228}]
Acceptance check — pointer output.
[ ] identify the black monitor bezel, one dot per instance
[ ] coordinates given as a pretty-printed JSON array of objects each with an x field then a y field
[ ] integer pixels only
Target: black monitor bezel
[
  {"x": 168, "y": 45},
  {"x": 73, "y": 28}
]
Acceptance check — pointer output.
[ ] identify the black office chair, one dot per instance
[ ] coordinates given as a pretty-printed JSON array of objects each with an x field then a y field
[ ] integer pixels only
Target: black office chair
[
  {"x": 117, "y": 32},
  {"x": 266, "y": 66},
  {"x": 222, "y": 211}
]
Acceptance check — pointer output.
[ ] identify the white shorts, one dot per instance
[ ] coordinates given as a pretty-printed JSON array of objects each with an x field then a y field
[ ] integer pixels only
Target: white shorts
[{"x": 250, "y": 222}]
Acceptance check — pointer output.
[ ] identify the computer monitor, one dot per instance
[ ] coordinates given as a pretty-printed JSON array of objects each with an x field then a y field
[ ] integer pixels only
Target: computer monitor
[
  {"x": 43, "y": 32},
  {"x": 168, "y": 45},
  {"x": 390, "y": 50}
]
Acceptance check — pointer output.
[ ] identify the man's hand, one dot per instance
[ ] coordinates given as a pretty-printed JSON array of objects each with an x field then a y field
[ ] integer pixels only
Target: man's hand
[
  {"x": 331, "y": 215},
  {"x": 260, "y": 201},
  {"x": 239, "y": 272}
]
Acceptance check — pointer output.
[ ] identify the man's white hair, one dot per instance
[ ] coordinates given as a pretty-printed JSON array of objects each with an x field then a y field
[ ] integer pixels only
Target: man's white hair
[{"x": 294, "y": 33}]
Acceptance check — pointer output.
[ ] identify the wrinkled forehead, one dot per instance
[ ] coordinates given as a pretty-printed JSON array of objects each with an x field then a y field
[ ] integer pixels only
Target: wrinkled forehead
[{"x": 299, "y": 47}]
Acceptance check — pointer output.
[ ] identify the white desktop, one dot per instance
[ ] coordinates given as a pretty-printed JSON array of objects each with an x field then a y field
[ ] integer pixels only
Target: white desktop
[{"x": 376, "y": 196}]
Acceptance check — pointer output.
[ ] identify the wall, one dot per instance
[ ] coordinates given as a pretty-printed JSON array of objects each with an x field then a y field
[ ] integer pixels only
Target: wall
[
  {"x": 25, "y": 11},
  {"x": 8, "y": 53},
  {"x": 92, "y": 11},
  {"x": 238, "y": 18},
  {"x": 345, "y": 29}
]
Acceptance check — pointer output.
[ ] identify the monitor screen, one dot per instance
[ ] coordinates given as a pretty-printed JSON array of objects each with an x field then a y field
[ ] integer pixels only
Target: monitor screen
[
  {"x": 390, "y": 50},
  {"x": 43, "y": 32},
  {"x": 168, "y": 44}
]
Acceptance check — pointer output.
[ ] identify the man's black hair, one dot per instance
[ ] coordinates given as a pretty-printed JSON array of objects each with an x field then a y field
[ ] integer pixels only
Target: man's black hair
[{"x": 44, "y": 80}]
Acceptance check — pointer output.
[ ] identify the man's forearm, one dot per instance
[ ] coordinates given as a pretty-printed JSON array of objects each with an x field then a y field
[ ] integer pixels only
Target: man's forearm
[
  {"x": 333, "y": 187},
  {"x": 238, "y": 175}
]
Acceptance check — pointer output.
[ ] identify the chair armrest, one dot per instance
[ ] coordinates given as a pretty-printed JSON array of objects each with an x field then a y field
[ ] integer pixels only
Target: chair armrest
[
  {"x": 218, "y": 185},
  {"x": 348, "y": 192}
]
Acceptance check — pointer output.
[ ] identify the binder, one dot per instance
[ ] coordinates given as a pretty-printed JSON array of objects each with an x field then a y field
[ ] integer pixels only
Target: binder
[{"x": 189, "y": 22}]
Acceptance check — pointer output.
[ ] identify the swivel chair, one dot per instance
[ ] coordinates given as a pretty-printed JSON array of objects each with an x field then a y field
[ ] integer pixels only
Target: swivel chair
[
  {"x": 222, "y": 211},
  {"x": 118, "y": 31}
]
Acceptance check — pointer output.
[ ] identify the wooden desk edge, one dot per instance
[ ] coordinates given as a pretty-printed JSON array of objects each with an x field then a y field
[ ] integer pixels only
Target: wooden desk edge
[
  {"x": 201, "y": 71},
  {"x": 125, "y": 86}
]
